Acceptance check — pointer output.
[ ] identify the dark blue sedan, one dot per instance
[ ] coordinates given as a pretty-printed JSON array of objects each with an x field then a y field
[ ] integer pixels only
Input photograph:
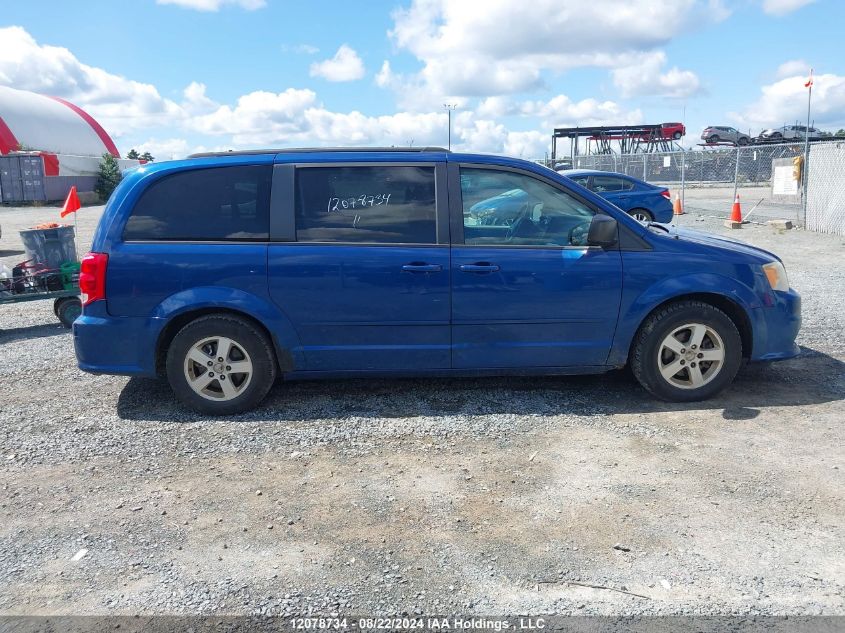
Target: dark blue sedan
[{"x": 643, "y": 201}]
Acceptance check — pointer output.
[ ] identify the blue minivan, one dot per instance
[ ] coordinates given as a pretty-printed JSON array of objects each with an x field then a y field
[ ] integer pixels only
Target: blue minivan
[{"x": 226, "y": 270}]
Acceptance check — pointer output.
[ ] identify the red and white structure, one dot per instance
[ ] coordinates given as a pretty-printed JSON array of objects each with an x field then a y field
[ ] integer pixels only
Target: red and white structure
[
  {"x": 49, "y": 124},
  {"x": 69, "y": 141}
]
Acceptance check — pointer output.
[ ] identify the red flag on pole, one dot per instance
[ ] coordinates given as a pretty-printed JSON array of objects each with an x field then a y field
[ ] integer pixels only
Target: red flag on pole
[
  {"x": 72, "y": 204},
  {"x": 809, "y": 83}
]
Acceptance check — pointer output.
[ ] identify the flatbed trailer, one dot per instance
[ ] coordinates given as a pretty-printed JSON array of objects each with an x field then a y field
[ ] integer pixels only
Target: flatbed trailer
[{"x": 67, "y": 305}]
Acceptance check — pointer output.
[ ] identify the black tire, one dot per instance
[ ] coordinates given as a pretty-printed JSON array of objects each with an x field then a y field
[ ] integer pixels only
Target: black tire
[
  {"x": 743, "y": 141},
  {"x": 68, "y": 309},
  {"x": 251, "y": 339},
  {"x": 677, "y": 136},
  {"x": 644, "y": 358},
  {"x": 714, "y": 139},
  {"x": 649, "y": 217}
]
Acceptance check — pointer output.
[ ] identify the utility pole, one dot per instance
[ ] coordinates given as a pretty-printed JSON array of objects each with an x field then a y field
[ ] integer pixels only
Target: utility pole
[{"x": 449, "y": 107}]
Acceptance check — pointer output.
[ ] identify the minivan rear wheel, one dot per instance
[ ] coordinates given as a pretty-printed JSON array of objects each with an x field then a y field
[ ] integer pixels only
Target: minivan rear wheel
[
  {"x": 687, "y": 351},
  {"x": 221, "y": 364}
]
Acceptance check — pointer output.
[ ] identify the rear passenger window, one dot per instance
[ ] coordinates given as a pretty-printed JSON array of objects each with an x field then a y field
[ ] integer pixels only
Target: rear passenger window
[
  {"x": 222, "y": 203},
  {"x": 602, "y": 184},
  {"x": 390, "y": 204}
]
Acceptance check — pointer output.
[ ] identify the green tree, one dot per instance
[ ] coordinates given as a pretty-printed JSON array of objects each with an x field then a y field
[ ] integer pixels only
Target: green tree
[
  {"x": 147, "y": 157},
  {"x": 840, "y": 132},
  {"x": 133, "y": 155},
  {"x": 108, "y": 178}
]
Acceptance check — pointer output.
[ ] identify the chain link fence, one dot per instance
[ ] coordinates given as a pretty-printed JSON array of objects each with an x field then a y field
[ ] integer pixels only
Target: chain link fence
[
  {"x": 750, "y": 165},
  {"x": 825, "y": 191},
  {"x": 707, "y": 179}
]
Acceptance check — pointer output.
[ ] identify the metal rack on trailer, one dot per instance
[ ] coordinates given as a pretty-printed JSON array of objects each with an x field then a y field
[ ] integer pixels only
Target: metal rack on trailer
[
  {"x": 33, "y": 282},
  {"x": 632, "y": 139}
]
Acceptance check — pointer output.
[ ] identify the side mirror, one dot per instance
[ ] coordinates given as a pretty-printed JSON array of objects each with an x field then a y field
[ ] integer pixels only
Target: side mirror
[{"x": 603, "y": 231}]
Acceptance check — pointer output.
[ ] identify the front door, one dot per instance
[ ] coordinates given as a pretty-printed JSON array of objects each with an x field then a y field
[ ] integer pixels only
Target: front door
[
  {"x": 527, "y": 290},
  {"x": 365, "y": 277}
]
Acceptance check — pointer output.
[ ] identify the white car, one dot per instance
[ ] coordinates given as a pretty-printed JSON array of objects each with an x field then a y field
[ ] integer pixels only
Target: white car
[{"x": 790, "y": 133}]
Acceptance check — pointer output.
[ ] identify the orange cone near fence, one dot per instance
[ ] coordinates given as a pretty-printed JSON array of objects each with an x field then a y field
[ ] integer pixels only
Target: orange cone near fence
[
  {"x": 736, "y": 211},
  {"x": 677, "y": 207}
]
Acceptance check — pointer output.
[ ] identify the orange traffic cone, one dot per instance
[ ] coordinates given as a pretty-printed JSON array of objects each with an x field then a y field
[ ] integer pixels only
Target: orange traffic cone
[
  {"x": 736, "y": 211},
  {"x": 736, "y": 216},
  {"x": 677, "y": 207}
]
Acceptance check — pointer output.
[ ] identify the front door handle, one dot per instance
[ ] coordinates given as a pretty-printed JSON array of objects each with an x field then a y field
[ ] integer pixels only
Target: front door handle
[
  {"x": 422, "y": 268},
  {"x": 480, "y": 267}
]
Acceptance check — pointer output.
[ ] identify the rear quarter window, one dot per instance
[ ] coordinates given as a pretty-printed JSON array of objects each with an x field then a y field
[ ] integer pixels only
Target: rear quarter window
[
  {"x": 216, "y": 204},
  {"x": 603, "y": 184}
]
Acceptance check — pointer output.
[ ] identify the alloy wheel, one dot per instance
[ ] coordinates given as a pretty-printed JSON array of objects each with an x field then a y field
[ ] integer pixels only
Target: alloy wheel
[
  {"x": 691, "y": 356},
  {"x": 218, "y": 368}
]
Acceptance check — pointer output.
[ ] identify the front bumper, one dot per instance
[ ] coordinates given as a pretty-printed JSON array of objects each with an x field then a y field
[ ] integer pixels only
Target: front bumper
[{"x": 776, "y": 327}]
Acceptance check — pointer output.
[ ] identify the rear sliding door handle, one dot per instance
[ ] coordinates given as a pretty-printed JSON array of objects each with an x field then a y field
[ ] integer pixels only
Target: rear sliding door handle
[
  {"x": 422, "y": 268},
  {"x": 479, "y": 268}
]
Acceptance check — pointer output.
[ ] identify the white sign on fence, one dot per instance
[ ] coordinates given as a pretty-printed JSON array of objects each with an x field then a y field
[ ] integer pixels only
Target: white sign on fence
[
  {"x": 667, "y": 161},
  {"x": 783, "y": 181}
]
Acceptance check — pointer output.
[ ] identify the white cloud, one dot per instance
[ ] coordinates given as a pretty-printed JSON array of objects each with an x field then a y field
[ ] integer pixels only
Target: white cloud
[
  {"x": 120, "y": 104},
  {"x": 782, "y": 7},
  {"x": 495, "y": 47},
  {"x": 164, "y": 149},
  {"x": 792, "y": 67},
  {"x": 645, "y": 76},
  {"x": 561, "y": 111},
  {"x": 215, "y": 5},
  {"x": 346, "y": 65},
  {"x": 300, "y": 49},
  {"x": 785, "y": 102},
  {"x": 258, "y": 115},
  {"x": 385, "y": 77},
  {"x": 195, "y": 101},
  {"x": 195, "y": 121}
]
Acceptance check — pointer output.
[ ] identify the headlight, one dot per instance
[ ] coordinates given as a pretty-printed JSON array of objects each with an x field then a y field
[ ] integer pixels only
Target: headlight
[{"x": 776, "y": 274}]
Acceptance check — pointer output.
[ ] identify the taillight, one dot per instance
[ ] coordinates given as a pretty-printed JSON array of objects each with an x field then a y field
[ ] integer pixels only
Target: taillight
[
  {"x": 665, "y": 193},
  {"x": 92, "y": 277}
]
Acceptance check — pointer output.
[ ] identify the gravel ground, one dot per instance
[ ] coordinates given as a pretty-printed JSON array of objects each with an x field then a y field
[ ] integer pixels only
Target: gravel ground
[
  {"x": 426, "y": 496},
  {"x": 717, "y": 202}
]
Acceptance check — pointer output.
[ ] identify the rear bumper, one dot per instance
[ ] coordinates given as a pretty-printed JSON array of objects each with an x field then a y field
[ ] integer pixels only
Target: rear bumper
[
  {"x": 115, "y": 345},
  {"x": 776, "y": 328},
  {"x": 663, "y": 211}
]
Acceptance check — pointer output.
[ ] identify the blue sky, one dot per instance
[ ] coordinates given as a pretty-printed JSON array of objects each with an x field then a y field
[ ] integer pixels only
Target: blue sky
[{"x": 175, "y": 76}]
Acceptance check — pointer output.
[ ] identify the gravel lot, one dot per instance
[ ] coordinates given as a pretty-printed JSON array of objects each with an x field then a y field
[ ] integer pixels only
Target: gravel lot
[{"x": 426, "y": 496}]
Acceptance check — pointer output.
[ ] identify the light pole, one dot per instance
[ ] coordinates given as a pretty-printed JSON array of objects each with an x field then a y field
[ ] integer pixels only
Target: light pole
[{"x": 449, "y": 107}]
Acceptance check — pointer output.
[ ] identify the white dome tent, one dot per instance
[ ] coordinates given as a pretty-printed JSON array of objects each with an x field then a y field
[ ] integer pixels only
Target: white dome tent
[{"x": 48, "y": 144}]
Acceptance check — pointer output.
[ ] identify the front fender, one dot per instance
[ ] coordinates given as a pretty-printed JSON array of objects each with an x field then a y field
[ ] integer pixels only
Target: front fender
[
  {"x": 265, "y": 312},
  {"x": 634, "y": 311}
]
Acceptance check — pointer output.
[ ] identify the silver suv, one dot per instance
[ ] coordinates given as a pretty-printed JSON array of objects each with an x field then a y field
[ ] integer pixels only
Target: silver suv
[
  {"x": 790, "y": 133},
  {"x": 724, "y": 134}
]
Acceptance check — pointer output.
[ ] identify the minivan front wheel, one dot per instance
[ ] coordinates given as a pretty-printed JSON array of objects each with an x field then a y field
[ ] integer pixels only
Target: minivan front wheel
[
  {"x": 221, "y": 364},
  {"x": 686, "y": 351}
]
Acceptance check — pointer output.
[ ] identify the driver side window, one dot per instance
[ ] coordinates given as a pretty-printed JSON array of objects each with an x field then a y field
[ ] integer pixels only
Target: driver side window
[{"x": 511, "y": 209}]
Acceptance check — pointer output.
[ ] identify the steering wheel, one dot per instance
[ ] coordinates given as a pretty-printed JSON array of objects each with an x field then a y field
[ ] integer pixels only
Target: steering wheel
[
  {"x": 523, "y": 212},
  {"x": 578, "y": 234}
]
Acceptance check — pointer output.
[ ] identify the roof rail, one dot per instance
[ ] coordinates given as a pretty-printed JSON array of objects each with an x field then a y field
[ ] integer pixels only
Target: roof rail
[{"x": 308, "y": 150}]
